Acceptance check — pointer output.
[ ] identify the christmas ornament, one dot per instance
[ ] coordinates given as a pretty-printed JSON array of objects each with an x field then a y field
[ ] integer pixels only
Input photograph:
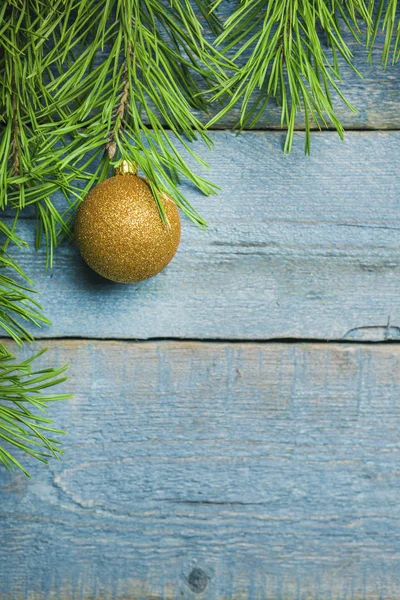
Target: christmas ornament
[{"x": 119, "y": 231}]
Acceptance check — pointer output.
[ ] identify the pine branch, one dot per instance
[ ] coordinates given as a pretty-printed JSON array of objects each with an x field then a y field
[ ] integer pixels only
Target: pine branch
[
  {"x": 72, "y": 66},
  {"x": 20, "y": 386},
  {"x": 23, "y": 181},
  {"x": 22, "y": 427},
  {"x": 119, "y": 111},
  {"x": 17, "y": 304},
  {"x": 84, "y": 85},
  {"x": 287, "y": 60},
  {"x": 15, "y": 139}
]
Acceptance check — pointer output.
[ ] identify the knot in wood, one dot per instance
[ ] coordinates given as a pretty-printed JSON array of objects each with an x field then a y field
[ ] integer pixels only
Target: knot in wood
[{"x": 197, "y": 580}]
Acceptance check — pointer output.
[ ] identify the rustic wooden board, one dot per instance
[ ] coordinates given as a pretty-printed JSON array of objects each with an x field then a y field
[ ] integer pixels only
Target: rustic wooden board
[
  {"x": 298, "y": 247},
  {"x": 248, "y": 471}
]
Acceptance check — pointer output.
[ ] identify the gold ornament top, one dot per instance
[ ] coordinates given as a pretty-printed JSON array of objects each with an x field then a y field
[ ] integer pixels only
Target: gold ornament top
[
  {"x": 126, "y": 168},
  {"x": 120, "y": 233}
]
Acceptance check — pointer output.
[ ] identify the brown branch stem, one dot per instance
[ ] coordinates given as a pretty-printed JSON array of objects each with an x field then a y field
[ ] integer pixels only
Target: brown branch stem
[
  {"x": 16, "y": 133},
  {"x": 120, "y": 108},
  {"x": 15, "y": 159}
]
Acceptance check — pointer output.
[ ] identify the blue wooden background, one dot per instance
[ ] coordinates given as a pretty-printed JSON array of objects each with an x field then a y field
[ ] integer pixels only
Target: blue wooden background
[{"x": 234, "y": 433}]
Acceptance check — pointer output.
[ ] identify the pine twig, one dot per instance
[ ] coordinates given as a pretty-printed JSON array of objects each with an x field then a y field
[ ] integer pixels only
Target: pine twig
[
  {"x": 287, "y": 61},
  {"x": 119, "y": 111},
  {"x": 15, "y": 159},
  {"x": 22, "y": 401}
]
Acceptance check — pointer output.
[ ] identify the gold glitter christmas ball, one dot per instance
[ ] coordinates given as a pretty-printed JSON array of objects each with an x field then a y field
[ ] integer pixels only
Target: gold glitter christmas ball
[{"x": 119, "y": 231}]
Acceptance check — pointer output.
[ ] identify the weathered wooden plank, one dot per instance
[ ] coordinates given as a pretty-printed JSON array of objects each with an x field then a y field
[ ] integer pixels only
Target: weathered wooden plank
[
  {"x": 248, "y": 471},
  {"x": 298, "y": 247}
]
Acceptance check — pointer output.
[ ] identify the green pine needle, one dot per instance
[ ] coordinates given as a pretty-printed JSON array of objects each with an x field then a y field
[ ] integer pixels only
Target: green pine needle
[{"x": 385, "y": 15}]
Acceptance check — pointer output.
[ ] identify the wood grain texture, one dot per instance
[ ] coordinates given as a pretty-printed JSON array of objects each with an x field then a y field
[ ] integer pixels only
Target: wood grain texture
[
  {"x": 216, "y": 471},
  {"x": 298, "y": 247}
]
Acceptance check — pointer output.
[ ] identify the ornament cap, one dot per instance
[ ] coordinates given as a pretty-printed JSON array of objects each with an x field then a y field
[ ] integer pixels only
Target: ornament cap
[{"x": 126, "y": 167}]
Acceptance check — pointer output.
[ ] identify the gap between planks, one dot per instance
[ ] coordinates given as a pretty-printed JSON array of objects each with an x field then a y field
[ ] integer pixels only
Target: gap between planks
[{"x": 216, "y": 341}]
